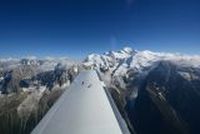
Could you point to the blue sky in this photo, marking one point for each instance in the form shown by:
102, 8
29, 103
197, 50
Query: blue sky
76, 28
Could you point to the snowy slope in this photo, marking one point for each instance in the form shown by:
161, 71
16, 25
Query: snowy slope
120, 62
83, 109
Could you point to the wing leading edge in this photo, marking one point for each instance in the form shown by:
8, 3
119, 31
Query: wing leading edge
84, 108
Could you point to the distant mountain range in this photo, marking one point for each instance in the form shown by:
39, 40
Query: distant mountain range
156, 93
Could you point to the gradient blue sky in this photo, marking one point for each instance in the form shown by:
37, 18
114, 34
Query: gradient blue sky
78, 27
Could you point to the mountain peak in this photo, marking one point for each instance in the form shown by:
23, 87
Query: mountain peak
128, 50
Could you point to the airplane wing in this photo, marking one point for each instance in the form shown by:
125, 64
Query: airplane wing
84, 108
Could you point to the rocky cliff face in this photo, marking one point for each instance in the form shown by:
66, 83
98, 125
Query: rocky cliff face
29, 87
168, 101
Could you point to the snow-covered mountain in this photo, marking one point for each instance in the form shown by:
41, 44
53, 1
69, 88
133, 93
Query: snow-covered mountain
128, 61
29, 73
155, 92
127, 58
